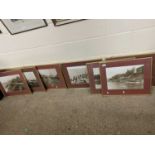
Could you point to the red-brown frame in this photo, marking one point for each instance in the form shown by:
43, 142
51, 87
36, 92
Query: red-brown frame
15, 72
147, 72
139, 56
38, 78
62, 83
90, 67
73, 64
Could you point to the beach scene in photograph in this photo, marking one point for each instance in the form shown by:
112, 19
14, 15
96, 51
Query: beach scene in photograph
49, 76
12, 83
96, 73
31, 79
78, 75
125, 77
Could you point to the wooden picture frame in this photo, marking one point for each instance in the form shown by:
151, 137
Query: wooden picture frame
60, 22
152, 55
16, 26
51, 76
73, 77
13, 83
33, 79
94, 77
126, 77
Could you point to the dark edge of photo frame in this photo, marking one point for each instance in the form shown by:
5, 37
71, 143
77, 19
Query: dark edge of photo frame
13, 72
54, 22
25, 30
90, 67
35, 71
147, 71
74, 64
62, 83
1, 94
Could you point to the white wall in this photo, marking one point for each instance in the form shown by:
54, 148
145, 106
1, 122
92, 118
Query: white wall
79, 41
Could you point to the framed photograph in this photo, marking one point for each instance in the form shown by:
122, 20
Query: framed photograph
15, 26
59, 22
13, 83
94, 77
126, 77
33, 79
153, 64
152, 55
76, 73
52, 76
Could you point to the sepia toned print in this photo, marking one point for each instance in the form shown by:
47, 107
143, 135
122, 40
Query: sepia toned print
125, 77
12, 83
49, 76
78, 74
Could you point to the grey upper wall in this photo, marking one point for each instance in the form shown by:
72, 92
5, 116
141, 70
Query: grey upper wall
87, 39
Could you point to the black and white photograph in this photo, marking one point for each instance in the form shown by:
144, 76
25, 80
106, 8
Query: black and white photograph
49, 77
96, 73
15, 26
125, 77
31, 79
12, 83
59, 22
78, 74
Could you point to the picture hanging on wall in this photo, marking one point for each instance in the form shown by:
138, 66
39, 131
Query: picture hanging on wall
13, 83
15, 26
59, 22
51, 76
126, 77
94, 77
33, 79
76, 73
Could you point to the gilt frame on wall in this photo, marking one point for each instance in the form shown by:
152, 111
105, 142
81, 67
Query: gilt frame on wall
126, 77
13, 83
75, 73
51, 76
33, 79
16, 26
